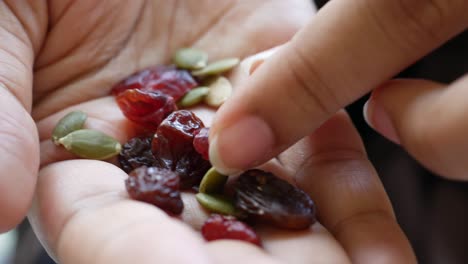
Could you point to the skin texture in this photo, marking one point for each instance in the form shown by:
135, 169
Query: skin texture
81, 211
348, 49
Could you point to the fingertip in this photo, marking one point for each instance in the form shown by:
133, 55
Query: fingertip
244, 144
377, 118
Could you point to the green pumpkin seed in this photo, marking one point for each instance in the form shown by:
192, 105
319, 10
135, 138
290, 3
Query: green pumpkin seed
193, 97
91, 144
220, 91
217, 203
190, 59
212, 182
69, 123
217, 67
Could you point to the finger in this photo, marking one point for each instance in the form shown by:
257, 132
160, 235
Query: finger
347, 49
351, 201
426, 118
83, 204
18, 137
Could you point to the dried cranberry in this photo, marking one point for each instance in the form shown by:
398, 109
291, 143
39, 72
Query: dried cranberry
200, 142
136, 153
173, 147
268, 198
156, 186
227, 227
166, 79
145, 107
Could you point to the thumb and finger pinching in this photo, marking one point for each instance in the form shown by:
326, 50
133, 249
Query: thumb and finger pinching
347, 49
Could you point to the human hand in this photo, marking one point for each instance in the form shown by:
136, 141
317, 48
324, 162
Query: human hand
18, 135
84, 215
349, 48
81, 210
77, 48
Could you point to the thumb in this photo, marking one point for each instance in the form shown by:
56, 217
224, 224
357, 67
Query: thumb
348, 48
18, 135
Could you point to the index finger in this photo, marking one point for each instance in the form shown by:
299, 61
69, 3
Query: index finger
347, 49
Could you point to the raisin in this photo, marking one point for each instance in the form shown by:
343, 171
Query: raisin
165, 79
270, 199
200, 142
145, 107
173, 147
156, 186
136, 153
227, 227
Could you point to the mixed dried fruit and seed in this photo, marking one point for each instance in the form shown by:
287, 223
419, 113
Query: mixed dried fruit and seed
174, 156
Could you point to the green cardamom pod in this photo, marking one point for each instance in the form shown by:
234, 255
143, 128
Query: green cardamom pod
91, 144
212, 182
69, 123
190, 59
218, 204
217, 67
193, 97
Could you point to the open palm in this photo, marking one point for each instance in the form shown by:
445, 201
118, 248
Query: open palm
81, 210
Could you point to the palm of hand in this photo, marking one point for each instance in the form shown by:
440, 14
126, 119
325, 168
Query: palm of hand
83, 202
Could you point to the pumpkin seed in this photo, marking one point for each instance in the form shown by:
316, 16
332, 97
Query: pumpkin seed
220, 91
193, 97
69, 123
218, 204
91, 144
190, 59
213, 182
217, 67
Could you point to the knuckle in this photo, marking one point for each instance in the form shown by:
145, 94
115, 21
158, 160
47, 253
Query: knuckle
312, 92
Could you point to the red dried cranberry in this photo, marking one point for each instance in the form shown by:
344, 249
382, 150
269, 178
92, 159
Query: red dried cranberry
136, 153
267, 198
146, 108
156, 186
227, 227
166, 79
173, 147
200, 142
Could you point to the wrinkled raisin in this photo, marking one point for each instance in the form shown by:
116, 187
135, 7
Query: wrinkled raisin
156, 186
145, 107
227, 227
268, 198
136, 153
165, 79
173, 147
200, 142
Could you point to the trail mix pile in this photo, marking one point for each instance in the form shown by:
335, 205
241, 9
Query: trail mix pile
174, 157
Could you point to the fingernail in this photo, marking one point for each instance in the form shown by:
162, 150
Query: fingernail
377, 118
241, 146
250, 64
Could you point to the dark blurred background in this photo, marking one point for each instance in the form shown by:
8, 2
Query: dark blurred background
430, 209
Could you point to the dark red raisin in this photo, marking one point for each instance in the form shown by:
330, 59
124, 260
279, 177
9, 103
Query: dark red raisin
136, 153
165, 79
173, 147
156, 186
200, 142
270, 199
227, 227
146, 108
